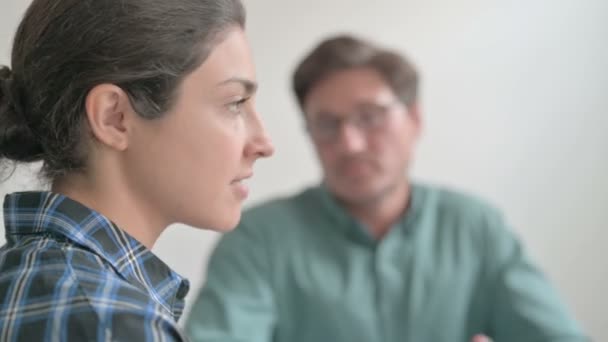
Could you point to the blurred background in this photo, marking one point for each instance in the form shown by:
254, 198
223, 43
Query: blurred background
515, 110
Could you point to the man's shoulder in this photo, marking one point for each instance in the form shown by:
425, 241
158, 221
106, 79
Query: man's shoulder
284, 207
460, 212
448, 200
471, 221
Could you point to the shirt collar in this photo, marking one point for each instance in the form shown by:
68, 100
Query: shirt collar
346, 222
27, 213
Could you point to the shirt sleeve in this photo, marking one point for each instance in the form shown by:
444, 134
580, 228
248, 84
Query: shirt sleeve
524, 305
237, 301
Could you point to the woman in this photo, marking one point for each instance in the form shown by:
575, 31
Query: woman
142, 113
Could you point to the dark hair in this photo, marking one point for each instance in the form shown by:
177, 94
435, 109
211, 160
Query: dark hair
64, 48
347, 52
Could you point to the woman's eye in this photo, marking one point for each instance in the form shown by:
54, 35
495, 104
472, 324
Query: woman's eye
236, 107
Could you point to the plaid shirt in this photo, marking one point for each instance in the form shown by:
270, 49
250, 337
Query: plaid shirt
69, 274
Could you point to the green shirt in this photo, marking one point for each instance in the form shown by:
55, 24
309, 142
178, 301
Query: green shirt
301, 269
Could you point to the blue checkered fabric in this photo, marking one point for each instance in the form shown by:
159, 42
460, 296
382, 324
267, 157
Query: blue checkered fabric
69, 274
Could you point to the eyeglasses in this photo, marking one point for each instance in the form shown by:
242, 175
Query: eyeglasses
368, 118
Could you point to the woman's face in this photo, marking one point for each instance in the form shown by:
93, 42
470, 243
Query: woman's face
190, 165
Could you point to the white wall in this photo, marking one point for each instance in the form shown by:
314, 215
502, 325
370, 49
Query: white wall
515, 110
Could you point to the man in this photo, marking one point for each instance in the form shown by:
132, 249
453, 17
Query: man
369, 255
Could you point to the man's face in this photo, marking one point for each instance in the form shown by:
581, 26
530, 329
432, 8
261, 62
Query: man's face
364, 136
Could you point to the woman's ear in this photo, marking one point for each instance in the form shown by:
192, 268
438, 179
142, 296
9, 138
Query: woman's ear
109, 111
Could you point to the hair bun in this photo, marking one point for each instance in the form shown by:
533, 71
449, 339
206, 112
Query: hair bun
17, 141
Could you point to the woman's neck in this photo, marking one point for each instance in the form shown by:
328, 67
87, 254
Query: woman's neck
110, 197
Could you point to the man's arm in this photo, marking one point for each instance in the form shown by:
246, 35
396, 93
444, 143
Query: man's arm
523, 304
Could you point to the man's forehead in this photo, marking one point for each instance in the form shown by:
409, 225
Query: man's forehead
343, 106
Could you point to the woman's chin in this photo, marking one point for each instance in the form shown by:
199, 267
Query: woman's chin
221, 224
